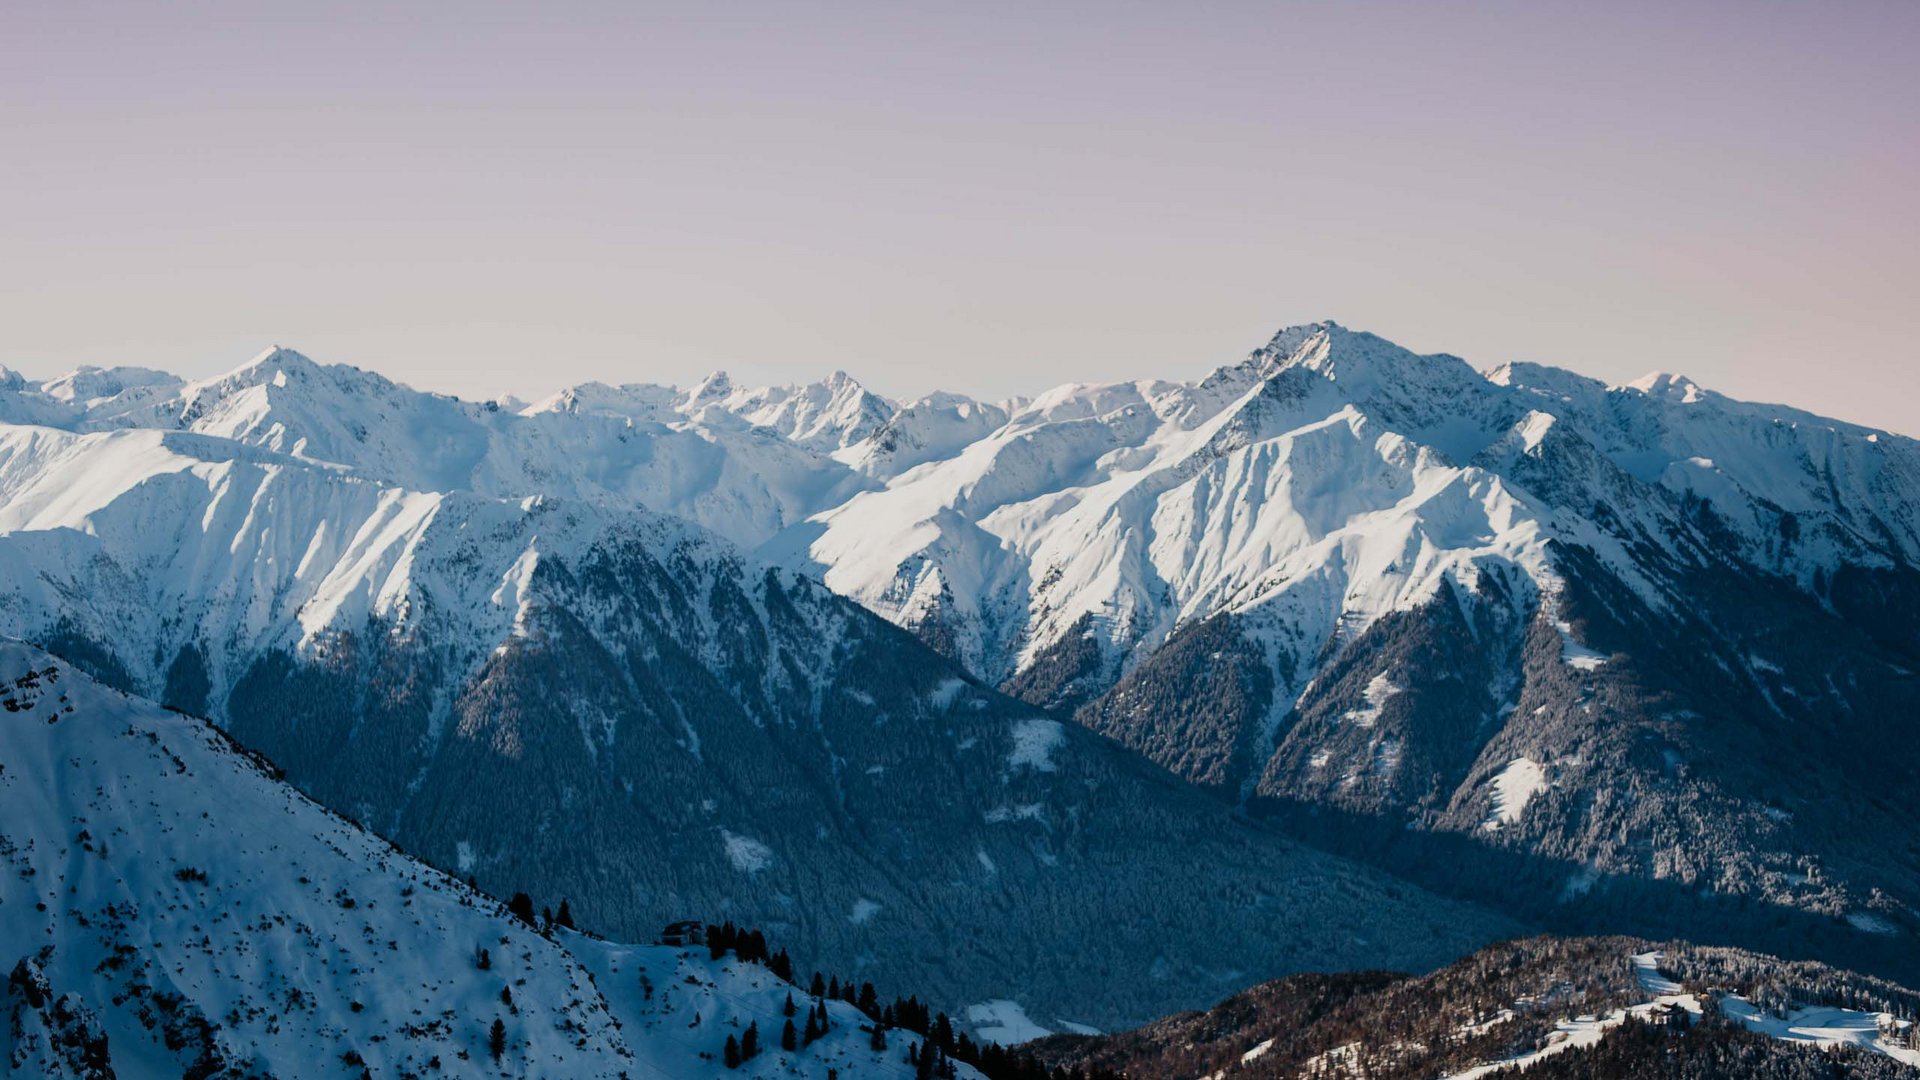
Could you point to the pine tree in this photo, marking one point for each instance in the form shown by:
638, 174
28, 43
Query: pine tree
788, 1009
869, 1001
522, 906
565, 918
789, 1038
732, 1053
485, 962
506, 996
782, 965
750, 1042
819, 986
879, 1041
813, 1028
497, 1038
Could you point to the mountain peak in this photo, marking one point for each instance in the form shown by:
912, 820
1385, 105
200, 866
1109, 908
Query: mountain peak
717, 385
273, 358
1672, 387
1290, 340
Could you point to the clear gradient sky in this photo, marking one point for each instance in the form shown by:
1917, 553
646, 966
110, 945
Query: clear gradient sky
484, 197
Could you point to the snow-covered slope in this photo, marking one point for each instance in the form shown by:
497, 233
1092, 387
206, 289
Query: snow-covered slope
1542, 1006
1226, 574
167, 906
660, 725
715, 462
1339, 477
1342, 584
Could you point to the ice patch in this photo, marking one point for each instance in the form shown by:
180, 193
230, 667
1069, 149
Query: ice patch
941, 697
1646, 968
1004, 1022
1378, 692
1824, 1027
749, 856
516, 589
1034, 742
1870, 923
1574, 654
863, 912
1517, 784
1078, 1029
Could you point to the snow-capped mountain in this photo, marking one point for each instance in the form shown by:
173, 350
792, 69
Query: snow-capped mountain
1332, 462
1605, 657
168, 907
1581, 625
711, 459
616, 706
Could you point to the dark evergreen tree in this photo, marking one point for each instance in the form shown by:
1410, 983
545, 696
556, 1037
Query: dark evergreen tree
731, 1054
879, 1041
818, 988
497, 1038
485, 961
750, 1042
565, 917
788, 1009
789, 1038
522, 906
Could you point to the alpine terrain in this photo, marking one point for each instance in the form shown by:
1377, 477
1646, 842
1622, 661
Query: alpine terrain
169, 908
1072, 709
1606, 657
567, 694
1540, 1007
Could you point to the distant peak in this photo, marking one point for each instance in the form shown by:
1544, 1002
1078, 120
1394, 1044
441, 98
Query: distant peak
716, 385
1289, 340
280, 354
1671, 387
276, 356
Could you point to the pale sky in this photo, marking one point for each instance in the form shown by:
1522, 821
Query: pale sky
484, 198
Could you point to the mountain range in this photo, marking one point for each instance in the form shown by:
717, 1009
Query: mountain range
1104, 702
571, 695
